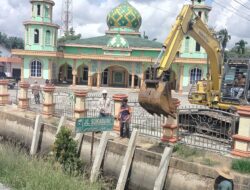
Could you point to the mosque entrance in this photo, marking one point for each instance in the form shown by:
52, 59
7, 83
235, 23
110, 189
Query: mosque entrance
115, 76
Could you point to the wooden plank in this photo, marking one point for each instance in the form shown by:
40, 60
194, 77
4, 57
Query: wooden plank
61, 123
163, 168
99, 157
36, 135
127, 161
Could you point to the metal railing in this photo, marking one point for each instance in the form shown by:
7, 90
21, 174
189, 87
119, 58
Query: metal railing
35, 105
206, 128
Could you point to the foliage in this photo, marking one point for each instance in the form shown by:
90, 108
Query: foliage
65, 151
69, 36
223, 37
209, 162
19, 171
185, 151
241, 165
11, 42
241, 47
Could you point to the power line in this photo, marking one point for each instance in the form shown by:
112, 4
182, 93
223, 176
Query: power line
241, 4
232, 10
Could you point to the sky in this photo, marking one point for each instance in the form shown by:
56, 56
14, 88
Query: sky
89, 16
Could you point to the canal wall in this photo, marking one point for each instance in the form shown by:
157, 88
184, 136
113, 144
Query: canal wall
182, 175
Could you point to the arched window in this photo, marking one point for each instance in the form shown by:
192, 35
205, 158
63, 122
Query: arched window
187, 44
46, 11
47, 39
195, 75
36, 36
38, 10
36, 68
197, 47
200, 13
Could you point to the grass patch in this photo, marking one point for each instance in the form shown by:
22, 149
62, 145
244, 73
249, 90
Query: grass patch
209, 162
19, 171
187, 152
241, 165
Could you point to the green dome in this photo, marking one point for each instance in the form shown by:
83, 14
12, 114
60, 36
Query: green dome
124, 16
118, 42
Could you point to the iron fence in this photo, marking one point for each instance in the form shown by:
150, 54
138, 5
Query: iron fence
34, 104
207, 128
147, 124
64, 101
13, 95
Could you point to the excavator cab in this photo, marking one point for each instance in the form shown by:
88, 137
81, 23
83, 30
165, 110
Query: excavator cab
235, 88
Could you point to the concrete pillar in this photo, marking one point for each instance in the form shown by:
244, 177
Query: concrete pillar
142, 78
133, 81
241, 141
74, 79
181, 79
117, 101
98, 80
90, 81
23, 102
169, 132
48, 104
4, 95
50, 70
80, 107
22, 70
74, 73
170, 127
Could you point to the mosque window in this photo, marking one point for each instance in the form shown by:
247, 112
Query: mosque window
199, 1
47, 38
36, 36
195, 75
200, 13
46, 11
197, 47
187, 44
36, 68
38, 10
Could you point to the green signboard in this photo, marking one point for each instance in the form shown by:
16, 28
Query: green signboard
94, 124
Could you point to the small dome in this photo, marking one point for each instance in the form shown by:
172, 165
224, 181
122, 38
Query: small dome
124, 16
118, 42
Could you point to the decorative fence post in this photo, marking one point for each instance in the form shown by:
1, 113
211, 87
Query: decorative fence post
169, 132
48, 104
23, 102
170, 127
80, 106
4, 96
117, 103
241, 141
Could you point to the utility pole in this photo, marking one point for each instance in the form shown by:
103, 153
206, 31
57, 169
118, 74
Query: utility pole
67, 16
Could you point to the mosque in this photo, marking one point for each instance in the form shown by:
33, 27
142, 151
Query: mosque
119, 58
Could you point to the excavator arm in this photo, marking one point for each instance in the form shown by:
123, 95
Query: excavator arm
155, 95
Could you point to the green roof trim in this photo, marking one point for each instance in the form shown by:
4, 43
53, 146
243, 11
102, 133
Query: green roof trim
133, 41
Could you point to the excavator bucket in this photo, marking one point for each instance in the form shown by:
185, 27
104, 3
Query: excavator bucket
155, 97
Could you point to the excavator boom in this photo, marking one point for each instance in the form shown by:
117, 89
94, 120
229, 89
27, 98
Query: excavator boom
155, 95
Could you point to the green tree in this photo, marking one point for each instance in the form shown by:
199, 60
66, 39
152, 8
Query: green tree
224, 38
11, 42
241, 47
70, 35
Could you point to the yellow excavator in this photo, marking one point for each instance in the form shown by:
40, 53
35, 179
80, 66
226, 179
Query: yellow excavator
155, 93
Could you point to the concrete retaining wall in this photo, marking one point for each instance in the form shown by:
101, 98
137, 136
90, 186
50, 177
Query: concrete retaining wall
182, 175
